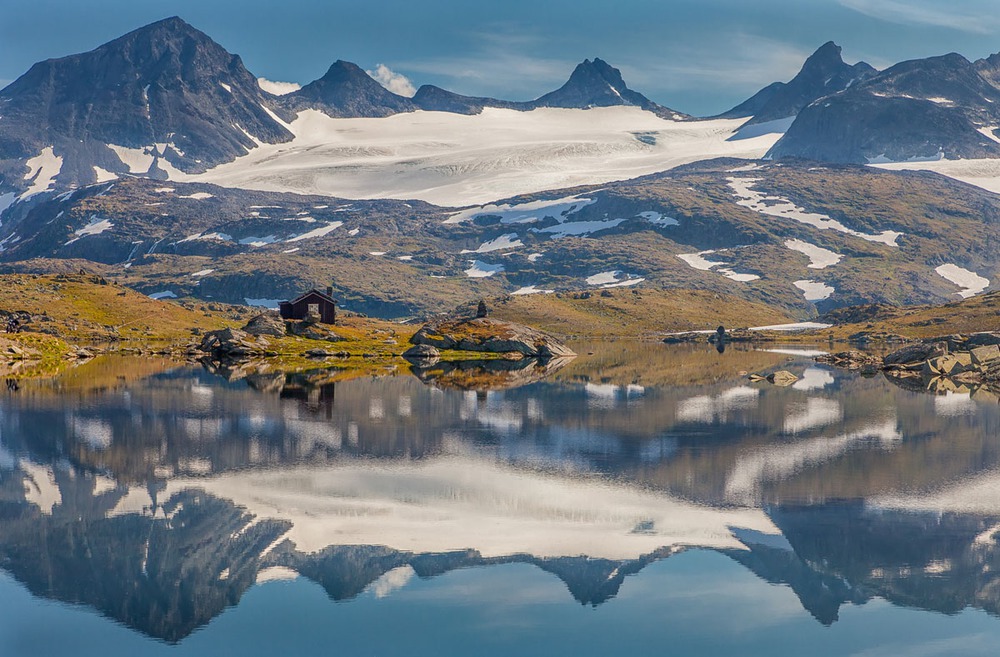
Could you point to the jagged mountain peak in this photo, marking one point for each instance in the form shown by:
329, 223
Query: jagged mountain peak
595, 83
823, 73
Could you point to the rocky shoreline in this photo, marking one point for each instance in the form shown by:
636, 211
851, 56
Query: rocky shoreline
955, 363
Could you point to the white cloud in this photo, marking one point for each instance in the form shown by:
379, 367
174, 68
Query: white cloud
278, 88
972, 16
394, 82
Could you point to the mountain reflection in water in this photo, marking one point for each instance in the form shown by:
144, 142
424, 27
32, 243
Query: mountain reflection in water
159, 494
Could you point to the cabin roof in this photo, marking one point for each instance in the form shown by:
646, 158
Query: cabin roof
321, 295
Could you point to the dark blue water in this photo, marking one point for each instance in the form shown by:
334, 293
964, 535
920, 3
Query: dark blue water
643, 500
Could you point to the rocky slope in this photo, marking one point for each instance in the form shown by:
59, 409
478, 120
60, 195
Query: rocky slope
939, 107
798, 238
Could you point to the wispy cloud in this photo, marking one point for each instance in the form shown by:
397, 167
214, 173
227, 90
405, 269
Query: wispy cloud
499, 59
973, 16
397, 83
278, 88
749, 62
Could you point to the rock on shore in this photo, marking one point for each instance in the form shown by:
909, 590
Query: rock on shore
491, 336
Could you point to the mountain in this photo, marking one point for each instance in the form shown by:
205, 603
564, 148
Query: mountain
598, 84
162, 98
823, 73
436, 99
346, 91
939, 107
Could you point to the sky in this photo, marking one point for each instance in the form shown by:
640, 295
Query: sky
696, 56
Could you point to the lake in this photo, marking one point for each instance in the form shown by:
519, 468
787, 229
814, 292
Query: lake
640, 499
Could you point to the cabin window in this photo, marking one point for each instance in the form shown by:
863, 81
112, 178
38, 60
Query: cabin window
314, 308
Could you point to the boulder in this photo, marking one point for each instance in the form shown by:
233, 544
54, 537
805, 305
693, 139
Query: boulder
422, 351
229, 342
985, 355
483, 334
317, 353
312, 331
266, 324
782, 378
915, 353
982, 340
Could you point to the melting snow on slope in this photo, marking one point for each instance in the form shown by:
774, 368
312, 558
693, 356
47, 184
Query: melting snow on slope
776, 206
658, 219
524, 213
137, 160
508, 241
819, 257
698, 261
455, 159
317, 232
971, 282
166, 294
42, 171
614, 279
814, 290
95, 227
530, 289
480, 269
199, 196
203, 272
103, 175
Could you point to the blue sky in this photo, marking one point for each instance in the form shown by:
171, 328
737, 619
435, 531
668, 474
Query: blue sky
697, 56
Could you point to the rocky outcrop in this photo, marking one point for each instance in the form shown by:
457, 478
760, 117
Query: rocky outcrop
266, 324
233, 343
483, 334
954, 363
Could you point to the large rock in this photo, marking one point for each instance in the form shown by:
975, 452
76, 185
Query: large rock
915, 353
782, 378
483, 334
985, 356
266, 324
231, 342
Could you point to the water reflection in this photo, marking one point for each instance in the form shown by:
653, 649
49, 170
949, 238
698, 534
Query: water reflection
159, 498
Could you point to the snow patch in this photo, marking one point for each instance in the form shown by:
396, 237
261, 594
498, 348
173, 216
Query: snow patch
317, 232
480, 269
698, 261
658, 219
819, 257
614, 278
96, 226
199, 196
137, 160
524, 213
103, 175
263, 303
166, 294
776, 206
530, 289
42, 171
971, 282
578, 228
508, 241
814, 290
203, 272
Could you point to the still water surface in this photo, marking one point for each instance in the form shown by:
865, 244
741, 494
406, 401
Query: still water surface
644, 499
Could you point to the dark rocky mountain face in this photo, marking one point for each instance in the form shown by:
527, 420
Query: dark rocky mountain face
989, 69
166, 89
436, 99
925, 108
824, 73
598, 84
346, 91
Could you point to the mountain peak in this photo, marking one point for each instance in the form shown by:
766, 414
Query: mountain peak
347, 91
595, 83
